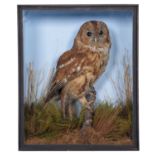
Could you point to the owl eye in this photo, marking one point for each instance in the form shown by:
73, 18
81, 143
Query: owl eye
101, 33
89, 34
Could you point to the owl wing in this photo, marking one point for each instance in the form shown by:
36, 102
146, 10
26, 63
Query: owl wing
68, 67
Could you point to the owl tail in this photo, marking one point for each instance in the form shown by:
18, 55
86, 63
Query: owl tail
52, 92
48, 97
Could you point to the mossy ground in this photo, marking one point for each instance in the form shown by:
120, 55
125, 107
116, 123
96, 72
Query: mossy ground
111, 125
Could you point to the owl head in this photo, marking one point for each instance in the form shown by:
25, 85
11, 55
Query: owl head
93, 35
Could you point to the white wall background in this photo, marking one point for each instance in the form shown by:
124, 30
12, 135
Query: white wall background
48, 34
9, 76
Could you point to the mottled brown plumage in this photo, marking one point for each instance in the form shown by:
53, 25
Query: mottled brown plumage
78, 68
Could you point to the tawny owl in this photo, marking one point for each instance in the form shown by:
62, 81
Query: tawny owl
79, 68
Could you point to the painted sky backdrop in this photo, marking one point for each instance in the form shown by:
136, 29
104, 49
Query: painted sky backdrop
49, 33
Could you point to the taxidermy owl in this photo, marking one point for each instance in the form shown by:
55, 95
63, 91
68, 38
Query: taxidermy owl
78, 68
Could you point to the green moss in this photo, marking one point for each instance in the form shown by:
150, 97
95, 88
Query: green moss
109, 120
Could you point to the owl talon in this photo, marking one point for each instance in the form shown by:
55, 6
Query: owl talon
89, 108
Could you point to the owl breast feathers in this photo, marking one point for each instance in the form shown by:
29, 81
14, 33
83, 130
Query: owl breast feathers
78, 68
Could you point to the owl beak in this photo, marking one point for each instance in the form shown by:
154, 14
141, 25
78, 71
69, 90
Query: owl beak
96, 42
